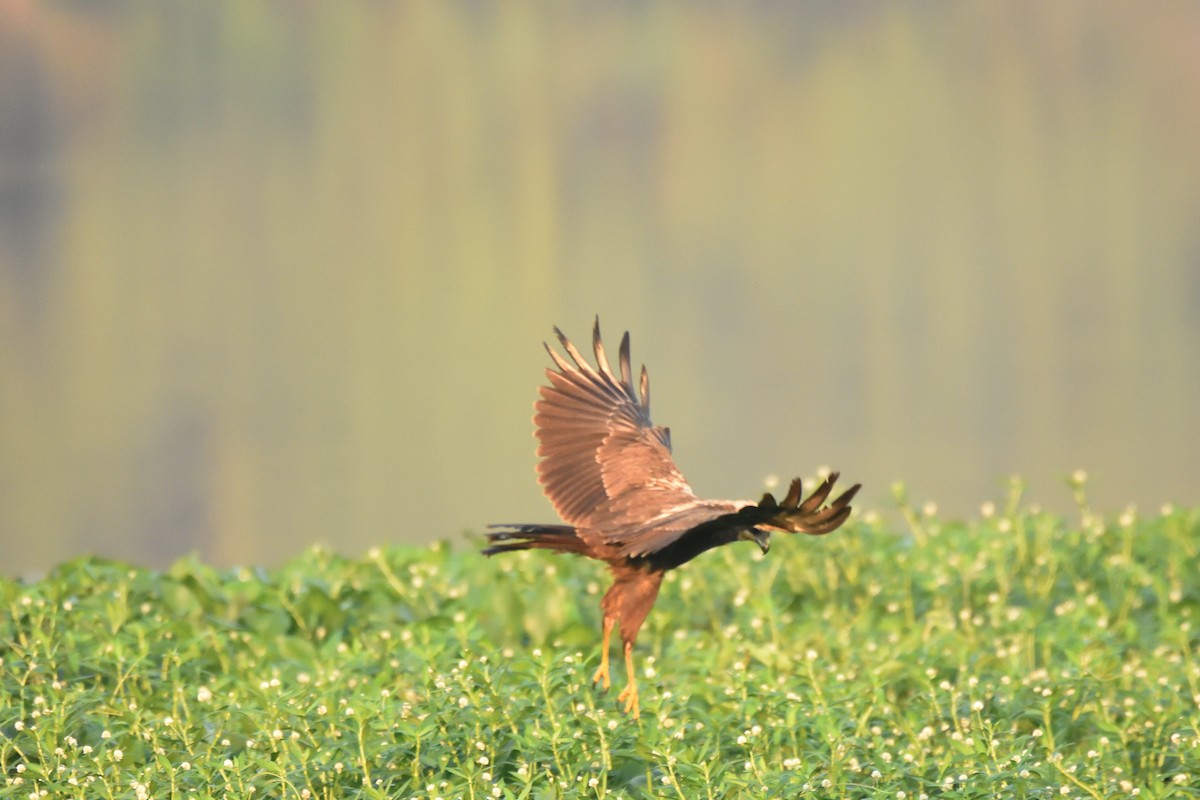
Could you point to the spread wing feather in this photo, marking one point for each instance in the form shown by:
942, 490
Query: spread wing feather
604, 464
809, 516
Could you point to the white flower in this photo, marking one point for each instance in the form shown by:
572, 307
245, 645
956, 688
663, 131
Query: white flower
204, 694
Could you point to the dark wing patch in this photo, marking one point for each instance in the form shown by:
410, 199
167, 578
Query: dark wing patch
604, 464
699, 518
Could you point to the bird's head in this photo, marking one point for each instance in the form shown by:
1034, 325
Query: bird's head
759, 537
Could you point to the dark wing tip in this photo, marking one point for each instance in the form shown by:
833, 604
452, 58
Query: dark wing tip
809, 516
795, 491
845, 497
623, 361
815, 499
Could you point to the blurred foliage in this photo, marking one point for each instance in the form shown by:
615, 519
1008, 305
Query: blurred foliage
269, 272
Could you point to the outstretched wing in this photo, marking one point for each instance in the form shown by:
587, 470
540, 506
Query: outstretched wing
809, 516
604, 464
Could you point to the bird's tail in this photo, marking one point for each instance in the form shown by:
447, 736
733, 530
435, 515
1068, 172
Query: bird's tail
559, 538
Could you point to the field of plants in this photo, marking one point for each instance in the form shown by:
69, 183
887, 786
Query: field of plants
1017, 654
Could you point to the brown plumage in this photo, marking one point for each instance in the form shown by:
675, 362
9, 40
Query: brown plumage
609, 473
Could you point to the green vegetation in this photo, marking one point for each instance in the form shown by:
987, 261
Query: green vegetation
1017, 655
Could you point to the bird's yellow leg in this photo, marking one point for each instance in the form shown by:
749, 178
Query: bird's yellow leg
629, 694
601, 675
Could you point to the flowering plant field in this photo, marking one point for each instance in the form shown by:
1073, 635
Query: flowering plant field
1015, 655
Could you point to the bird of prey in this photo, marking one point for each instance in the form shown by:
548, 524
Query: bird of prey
608, 471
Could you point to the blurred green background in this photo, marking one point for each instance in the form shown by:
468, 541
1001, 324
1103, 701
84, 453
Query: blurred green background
278, 273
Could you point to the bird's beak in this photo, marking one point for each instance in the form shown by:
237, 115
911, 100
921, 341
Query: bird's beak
760, 538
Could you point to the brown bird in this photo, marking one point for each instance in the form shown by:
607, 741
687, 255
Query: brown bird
608, 471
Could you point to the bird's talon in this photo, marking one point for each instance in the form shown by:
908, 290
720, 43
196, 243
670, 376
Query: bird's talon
629, 696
